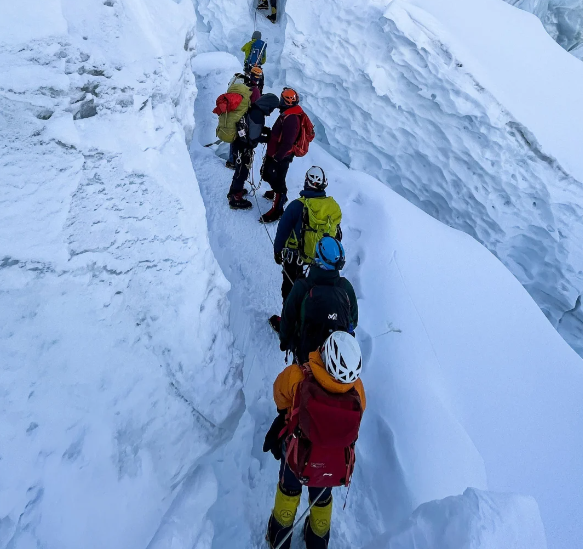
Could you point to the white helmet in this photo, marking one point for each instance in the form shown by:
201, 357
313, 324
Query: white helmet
341, 354
315, 179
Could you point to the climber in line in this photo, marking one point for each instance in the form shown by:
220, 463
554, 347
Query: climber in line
321, 303
254, 81
279, 154
251, 131
328, 391
304, 223
264, 4
255, 52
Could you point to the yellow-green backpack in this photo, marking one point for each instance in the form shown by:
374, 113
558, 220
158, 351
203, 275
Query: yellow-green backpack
320, 216
227, 126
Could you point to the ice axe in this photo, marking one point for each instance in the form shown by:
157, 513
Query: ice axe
213, 143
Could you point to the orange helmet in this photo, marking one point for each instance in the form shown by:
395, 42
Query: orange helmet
256, 71
289, 97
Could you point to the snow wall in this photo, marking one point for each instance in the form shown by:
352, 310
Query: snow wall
445, 105
474, 520
117, 372
562, 19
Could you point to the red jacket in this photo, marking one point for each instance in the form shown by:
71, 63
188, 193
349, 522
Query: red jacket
284, 133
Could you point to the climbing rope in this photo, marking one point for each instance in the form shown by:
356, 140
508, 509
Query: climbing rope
254, 189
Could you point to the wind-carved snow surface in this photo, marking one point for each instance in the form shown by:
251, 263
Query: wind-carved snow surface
474, 520
562, 19
396, 92
117, 370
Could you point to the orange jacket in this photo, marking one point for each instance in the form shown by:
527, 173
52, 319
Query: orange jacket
286, 384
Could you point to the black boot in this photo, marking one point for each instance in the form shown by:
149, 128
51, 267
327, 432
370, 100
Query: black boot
275, 322
276, 210
276, 532
269, 195
312, 540
244, 192
237, 202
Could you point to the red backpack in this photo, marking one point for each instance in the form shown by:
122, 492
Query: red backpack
320, 434
306, 134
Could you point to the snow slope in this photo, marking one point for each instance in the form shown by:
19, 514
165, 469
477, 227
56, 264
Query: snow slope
461, 367
117, 371
442, 102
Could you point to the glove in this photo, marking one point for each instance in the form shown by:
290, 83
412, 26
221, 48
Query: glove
272, 441
265, 135
283, 346
278, 258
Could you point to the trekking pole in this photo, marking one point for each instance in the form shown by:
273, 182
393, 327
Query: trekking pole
280, 544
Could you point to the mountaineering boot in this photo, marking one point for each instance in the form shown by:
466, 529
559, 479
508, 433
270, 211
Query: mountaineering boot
276, 532
244, 192
273, 16
262, 5
317, 525
237, 202
230, 165
275, 322
276, 210
282, 517
269, 195
312, 540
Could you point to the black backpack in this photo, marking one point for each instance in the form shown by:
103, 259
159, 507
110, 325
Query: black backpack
325, 309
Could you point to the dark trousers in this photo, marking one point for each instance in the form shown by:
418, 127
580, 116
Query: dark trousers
293, 271
290, 484
275, 173
243, 155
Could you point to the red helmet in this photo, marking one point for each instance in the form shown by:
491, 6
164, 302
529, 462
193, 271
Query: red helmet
289, 97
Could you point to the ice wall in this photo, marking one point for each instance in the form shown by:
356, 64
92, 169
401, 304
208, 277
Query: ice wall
117, 373
562, 19
394, 86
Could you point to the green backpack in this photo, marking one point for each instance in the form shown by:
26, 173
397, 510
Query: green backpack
321, 216
227, 126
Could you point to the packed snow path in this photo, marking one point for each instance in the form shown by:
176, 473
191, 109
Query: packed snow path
247, 477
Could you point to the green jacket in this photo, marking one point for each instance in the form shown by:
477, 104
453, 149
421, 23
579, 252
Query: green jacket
247, 49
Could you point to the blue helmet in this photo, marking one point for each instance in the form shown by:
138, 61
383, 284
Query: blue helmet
329, 254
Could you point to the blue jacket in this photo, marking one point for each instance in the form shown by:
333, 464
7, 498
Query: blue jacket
291, 221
